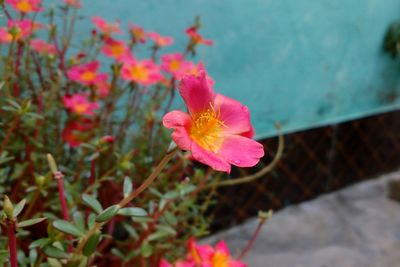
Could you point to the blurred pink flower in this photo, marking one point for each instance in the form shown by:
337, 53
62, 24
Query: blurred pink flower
160, 40
189, 68
205, 256
25, 6
86, 74
196, 37
173, 63
104, 27
42, 47
138, 33
144, 72
18, 30
108, 139
217, 129
79, 104
73, 3
103, 87
76, 132
115, 49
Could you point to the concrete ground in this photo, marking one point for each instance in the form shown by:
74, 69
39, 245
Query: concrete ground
355, 227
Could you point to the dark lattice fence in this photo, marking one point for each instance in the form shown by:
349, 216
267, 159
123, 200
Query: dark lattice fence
315, 162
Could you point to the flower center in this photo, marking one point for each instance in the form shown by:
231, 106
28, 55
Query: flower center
220, 260
206, 130
88, 76
139, 73
117, 50
24, 6
81, 108
174, 65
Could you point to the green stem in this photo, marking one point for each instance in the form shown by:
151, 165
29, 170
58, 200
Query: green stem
129, 198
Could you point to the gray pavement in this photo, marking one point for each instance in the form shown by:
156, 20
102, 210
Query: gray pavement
358, 226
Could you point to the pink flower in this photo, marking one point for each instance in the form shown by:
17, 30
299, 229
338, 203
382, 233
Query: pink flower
143, 72
115, 49
160, 40
205, 256
42, 47
86, 74
196, 38
25, 6
107, 139
79, 104
76, 132
103, 87
173, 63
217, 129
138, 33
18, 30
73, 3
104, 27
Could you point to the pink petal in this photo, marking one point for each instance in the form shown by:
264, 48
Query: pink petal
196, 93
234, 115
241, 151
164, 263
180, 122
222, 247
210, 159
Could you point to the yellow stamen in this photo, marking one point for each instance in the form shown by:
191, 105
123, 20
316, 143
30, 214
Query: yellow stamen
174, 65
220, 260
117, 50
88, 76
81, 108
24, 6
207, 129
139, 73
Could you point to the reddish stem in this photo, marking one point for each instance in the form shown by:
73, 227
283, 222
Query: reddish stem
60, 182
64, 207
12, 242
253, 238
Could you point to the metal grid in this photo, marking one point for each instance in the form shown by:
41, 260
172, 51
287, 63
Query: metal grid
315, 162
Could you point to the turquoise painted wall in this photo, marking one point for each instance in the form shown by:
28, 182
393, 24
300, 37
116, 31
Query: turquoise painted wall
302, 63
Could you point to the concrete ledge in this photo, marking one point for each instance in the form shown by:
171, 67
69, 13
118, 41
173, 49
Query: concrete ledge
356, 227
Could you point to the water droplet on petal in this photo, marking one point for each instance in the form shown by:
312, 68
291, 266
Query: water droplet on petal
236, 161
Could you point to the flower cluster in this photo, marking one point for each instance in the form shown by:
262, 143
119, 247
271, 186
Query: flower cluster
205, 256
100, 112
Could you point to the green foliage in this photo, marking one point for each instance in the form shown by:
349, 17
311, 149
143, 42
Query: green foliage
65, 167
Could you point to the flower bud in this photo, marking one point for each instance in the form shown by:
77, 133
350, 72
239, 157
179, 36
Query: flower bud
52, 164
8, 207
40, 180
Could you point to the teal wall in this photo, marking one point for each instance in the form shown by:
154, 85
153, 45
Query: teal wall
302, 63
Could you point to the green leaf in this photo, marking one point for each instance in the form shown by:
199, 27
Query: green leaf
166, 229
146, 250
91, 244
127, 186
19, 207
92, 203
79, 220
54, 262
30, 222
42, 242
108, 213
137, 212
157, 235
67, 227
91, 220
170, 218
53, 252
